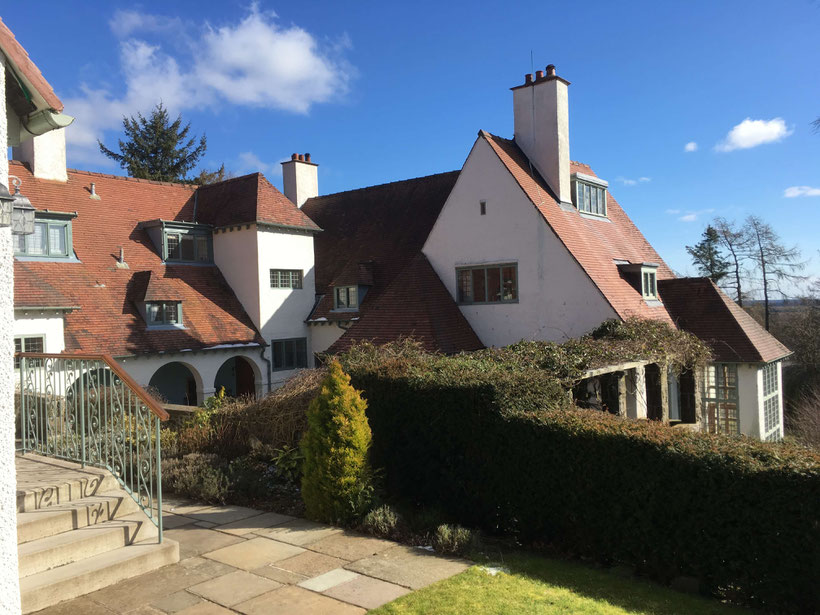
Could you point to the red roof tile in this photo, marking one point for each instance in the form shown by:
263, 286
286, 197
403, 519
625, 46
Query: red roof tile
247, 200
373, 237
28, 69
697, 305
108, 317
594, 243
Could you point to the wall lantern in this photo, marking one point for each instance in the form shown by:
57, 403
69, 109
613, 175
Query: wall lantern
21, 216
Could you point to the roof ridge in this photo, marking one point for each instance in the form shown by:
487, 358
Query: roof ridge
118, 177
398, 181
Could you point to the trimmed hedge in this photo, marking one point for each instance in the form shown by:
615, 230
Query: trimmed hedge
502, 453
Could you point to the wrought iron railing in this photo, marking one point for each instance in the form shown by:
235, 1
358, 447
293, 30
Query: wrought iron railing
86, 409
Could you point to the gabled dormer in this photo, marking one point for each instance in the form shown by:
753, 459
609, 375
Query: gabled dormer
158, 300
589, 194
643, 277
185, 243
51, 240
350, 288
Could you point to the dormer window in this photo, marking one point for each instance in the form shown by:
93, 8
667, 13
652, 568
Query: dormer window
51, 238
643, 277
346, 298
589, 194
163, 313
650, 284
187, 246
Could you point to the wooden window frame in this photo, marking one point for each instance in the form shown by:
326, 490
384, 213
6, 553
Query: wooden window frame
349, 290
725, 396
584, 205
49, 224
196, 236
163, 307
291, 274
473, 268
298, 357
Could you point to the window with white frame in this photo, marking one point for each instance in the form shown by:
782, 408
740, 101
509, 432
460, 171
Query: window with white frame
29, 343
589, 194
163, 313
286, 278
771, 403
346, 298
649, 283
720, 398
488, 283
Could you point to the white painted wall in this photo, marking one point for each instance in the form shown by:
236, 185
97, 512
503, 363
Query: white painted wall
541, 114
300, 181
47, 323
322, 336
204, 365
557, 300
45, 154
9, 580
235, 253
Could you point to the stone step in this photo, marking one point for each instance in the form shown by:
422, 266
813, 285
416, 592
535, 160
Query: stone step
67, 547
43, 482
50, 587
76, 514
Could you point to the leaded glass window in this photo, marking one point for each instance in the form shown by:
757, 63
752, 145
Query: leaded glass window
487, 284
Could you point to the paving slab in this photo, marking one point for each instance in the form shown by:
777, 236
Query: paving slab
171, 521
234, 588
280, 575
299, 532
292, 600
205, 608
197, 540
147, 588
311, 564
205, 524
83, 604
350, 546
182, 507
329, 579
220, 515
251, 524
143, 610
367, 592
208, 567
254, 553
178, 601
408, 566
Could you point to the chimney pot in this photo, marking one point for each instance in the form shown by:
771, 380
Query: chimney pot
294, 156
550, 70
539, 74
307, 157
301, 157
527, 78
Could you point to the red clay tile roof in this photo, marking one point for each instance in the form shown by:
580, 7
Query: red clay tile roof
26, 68
416, 304
374, 236
594, 243
107, 295
246, 200
697, 305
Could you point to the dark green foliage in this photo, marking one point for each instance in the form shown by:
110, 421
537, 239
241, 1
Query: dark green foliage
201, 477
336, 478
706, 256
492, 444
156, 148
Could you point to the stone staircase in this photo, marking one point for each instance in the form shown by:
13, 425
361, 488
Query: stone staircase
78, 531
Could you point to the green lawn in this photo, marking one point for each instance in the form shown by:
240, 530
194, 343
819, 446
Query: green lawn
547, 586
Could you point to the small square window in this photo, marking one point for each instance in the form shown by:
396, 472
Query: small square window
158, 313
483, 207
33, 343
346, 298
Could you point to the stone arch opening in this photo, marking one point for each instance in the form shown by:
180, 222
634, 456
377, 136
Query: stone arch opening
238, 376
177, 382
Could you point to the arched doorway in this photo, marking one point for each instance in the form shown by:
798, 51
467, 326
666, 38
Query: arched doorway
237, 376
176, 383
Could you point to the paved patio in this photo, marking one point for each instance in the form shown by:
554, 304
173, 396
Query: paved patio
241, 560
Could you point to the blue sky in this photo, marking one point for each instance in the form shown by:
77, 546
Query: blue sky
378, 93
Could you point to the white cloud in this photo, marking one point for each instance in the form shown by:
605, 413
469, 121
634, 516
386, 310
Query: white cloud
751, 133
673, 212
632, 182
688, 218
690, 147
254, 63
796, 191
248, 162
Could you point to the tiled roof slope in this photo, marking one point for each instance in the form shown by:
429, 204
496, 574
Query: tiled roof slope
246, 200
416, 304
595, 244
108, 320
697, 305
19, 57
374, 236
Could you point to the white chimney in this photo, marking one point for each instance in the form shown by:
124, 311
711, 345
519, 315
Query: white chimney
300, 177
45, 154
541, 108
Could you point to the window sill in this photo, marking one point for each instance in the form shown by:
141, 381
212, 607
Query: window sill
653, 302
166, 327
46, 259
511, 302
599, 217
345, 310
189, 263
287, 369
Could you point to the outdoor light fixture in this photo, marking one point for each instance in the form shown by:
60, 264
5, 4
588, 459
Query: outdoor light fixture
22, 213
6, 203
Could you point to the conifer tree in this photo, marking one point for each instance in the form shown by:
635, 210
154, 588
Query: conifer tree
157, 148
707, 257
336, 478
